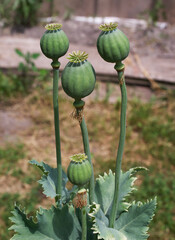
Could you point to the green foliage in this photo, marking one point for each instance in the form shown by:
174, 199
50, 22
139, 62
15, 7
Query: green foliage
12, 85
25, 12
9, 157
130, 225
104, 189
160, 181
19, 12
55, 223
28, 64
162, 185
136, 214
133, 223
30, 200
6, 86
158, 135
28, 72
9, 168
151, 143
100, 225
157, 11
130, 217
49, 180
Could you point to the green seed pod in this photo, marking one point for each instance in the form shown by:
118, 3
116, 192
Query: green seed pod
112, 44
78, 77
79, 171
54, 42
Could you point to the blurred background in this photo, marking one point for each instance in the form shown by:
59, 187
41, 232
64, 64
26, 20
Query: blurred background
26, 115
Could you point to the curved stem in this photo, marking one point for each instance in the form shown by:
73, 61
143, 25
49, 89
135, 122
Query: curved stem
84, 223
120, 147
84, 132
57, 129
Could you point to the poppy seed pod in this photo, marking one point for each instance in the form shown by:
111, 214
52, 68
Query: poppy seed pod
112, 44
54, 42
78, 77
79, 170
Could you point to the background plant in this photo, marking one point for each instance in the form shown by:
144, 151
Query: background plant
25, 12
6, 12
156, 12
14, 83
26, 68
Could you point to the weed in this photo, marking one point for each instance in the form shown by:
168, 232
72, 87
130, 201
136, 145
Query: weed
13, 85
9, 156
25, 12
157, 11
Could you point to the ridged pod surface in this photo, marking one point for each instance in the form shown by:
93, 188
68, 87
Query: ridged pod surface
78, 78
79, 171
112, 44
54, 42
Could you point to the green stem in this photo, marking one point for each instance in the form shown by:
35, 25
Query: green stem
57, 128
84, 223
84, 132
120, 147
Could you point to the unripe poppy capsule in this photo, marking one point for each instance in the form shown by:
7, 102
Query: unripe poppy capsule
112, 44
54, 42
79, 171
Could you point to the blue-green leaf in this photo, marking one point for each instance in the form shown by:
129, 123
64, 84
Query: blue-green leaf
49, 180
134, 223
100, 225
104, 189
52, 224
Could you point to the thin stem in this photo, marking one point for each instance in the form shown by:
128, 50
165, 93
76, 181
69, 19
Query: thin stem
84, 223
120, 147
84, 132
57, 129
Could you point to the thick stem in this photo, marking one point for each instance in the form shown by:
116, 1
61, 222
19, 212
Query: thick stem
84, 223
84, 132
57, 128
120, 147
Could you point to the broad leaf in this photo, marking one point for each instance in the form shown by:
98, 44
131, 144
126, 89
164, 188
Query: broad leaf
104, 189
100, 225
134, 223
52, 224
49, 180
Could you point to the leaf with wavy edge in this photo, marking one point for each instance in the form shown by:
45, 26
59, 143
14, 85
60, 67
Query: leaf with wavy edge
104, 189
49, 180
100, 225
134, 223
52, 224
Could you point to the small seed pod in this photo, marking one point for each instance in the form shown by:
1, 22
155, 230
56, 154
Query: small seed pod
112, 44
54, 42
78, 77
80, 200
79, 171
